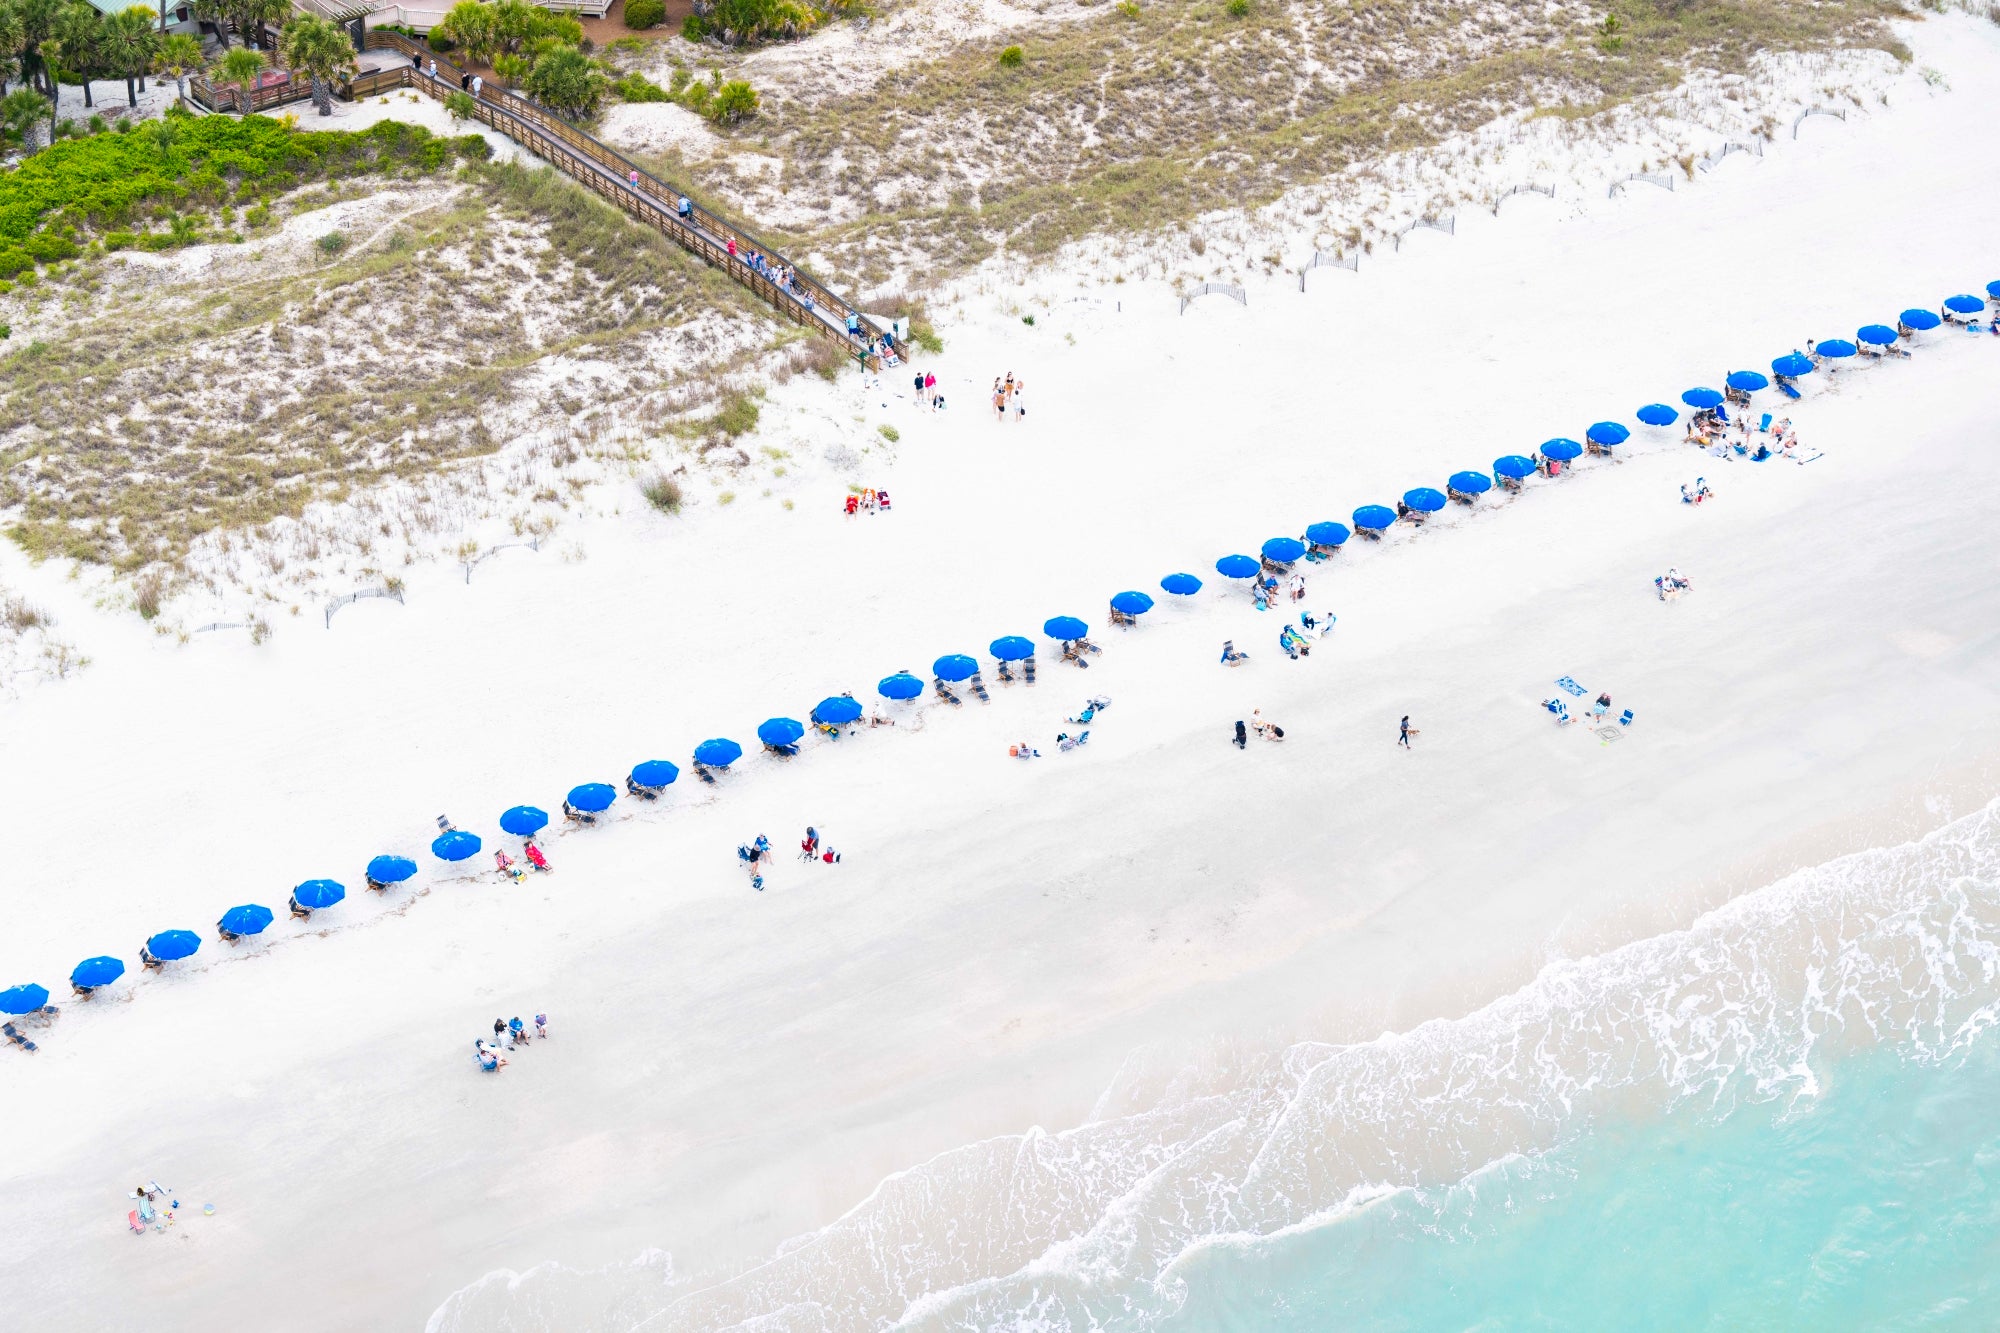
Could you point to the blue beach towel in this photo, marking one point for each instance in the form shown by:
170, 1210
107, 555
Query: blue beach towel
1575, 689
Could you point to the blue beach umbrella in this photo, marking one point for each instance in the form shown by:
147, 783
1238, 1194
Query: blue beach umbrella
1283, 550
523, 821
1746, 381
1792, 365
249, 919
99, 971
902, 685
1607, 433
171, 945
1131, 603
951, 667
1658, 414
1327, 534
839, 710
1515, 466
720, 752
1236, 567
1064, 627
654, 773
318, 893
1374, 518
456, 845
1836, 348
391, 869
1993, 290
1470, 483
1012, 648
1424, 500
595, 797
1920, 319
1702, 399
1964, 305
1186, 585
23, 999
1562, 450
780, 731
1876, 335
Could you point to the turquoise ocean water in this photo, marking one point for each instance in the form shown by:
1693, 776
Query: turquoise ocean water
1786, 1116
1875, 1206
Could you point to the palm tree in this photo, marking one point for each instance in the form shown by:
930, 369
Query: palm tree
319, 49
37, 20
251, 16
22, 110
10, 45
75, 43
240, 66
179, 56
129, 43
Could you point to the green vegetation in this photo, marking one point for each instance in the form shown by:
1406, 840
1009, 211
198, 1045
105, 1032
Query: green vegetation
1011, 57
249, 393
747, 22
636, 87
662, 492
568, 81
642, 14
319, 50
889, 433
108, 182
508, 28
1149, 116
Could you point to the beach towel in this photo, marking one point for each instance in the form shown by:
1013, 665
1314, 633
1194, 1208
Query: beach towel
1570, 685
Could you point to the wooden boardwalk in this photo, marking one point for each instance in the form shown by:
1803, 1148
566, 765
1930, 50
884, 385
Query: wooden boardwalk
604, 172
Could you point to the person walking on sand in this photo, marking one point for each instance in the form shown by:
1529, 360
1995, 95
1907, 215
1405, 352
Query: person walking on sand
1404, 731
1242, 736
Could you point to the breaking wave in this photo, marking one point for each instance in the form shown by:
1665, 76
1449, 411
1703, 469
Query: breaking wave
1084, 1228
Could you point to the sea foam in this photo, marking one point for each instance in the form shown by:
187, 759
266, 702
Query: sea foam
1084, 1228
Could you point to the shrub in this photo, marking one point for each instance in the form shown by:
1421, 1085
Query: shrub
332, 243
733, 101
148, 596
662, 492
636, 87
1238, 8
567, 80
890, 433
642, 14
693, 28
1011, 57
439, 41
460, 106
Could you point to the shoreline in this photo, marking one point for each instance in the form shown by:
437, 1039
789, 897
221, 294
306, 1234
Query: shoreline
1005, 945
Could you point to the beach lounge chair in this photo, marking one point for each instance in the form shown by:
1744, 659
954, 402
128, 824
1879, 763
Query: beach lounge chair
701, 771
1120, 618
979, 688
782, 751
1028, 669
643, 793
19, 1038
1006, 674
1072, 653
944, 692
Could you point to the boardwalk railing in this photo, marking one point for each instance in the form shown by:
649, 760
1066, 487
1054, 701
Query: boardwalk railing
628, 186
598, 168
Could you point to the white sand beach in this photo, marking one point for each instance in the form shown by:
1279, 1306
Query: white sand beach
1004, 941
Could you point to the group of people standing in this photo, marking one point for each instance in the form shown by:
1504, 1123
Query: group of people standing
1007, 397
